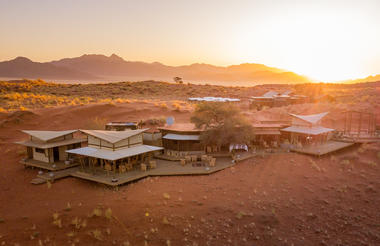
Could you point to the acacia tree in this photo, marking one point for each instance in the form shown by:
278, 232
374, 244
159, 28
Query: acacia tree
178, 80
223, 124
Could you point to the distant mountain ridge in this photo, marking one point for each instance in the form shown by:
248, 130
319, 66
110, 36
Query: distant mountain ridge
101, 67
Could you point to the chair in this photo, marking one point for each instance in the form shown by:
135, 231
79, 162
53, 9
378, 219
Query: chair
194, 158
152, 164
143, 167
208, 149
214, 148
128, 166
122, 169
204, 158
183, 162
188, 159
212, 162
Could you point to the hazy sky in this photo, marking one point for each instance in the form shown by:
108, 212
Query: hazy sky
326, 40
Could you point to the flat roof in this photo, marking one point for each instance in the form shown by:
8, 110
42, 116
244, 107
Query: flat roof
267, 125
47, 145
118, 123
267, 132
214, 99
113, 155
315, 130
185, 127
48, 135
173, 136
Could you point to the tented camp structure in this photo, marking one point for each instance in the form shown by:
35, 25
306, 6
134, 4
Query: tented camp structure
308, 136
307, 129
112, 152
275, 99
181, 139
46, 149
267, 135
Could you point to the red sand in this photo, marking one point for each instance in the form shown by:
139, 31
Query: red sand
281, 199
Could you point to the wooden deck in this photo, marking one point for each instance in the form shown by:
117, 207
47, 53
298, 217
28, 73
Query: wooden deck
164, 168
47, 166
322, 149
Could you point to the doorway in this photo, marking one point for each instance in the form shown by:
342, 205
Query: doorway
56, 154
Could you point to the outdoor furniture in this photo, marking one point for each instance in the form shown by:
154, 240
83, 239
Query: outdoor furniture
122, 169
143, 167
212, 162
194, 158
204, 158
188, 159
128, 166
152, 164
183, 162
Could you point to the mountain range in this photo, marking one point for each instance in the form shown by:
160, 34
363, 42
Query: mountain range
114, 68
98, 68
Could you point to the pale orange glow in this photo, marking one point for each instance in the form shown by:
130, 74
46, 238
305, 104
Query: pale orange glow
324, 40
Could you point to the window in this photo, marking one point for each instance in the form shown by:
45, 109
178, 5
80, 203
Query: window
38, 150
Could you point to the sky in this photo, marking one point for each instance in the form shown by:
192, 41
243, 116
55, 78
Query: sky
326, 40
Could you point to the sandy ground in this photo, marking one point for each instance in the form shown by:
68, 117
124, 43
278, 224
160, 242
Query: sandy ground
279, 199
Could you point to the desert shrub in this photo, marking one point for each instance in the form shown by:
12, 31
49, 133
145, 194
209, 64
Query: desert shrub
163, 106
177, 107
155, 121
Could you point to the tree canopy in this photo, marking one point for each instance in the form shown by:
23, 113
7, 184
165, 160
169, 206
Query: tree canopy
223, 123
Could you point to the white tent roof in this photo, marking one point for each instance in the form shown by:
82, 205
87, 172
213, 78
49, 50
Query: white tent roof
315, 130
214, 99
172, 136
270, 94
114, 155
312, 118
113, 136
48, 135
286, 93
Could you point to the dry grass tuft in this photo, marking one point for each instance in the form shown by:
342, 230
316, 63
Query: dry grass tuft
108, 213
97, 212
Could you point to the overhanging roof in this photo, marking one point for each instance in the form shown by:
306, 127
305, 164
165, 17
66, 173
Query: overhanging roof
267, 132
173, 136
48, 135
315, 130
114, 155
113, 136
312, 118
47, 145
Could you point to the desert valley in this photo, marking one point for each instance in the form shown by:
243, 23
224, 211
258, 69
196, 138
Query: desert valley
279, 198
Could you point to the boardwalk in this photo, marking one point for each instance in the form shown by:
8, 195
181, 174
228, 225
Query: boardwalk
164, 168
322, 149
56, 166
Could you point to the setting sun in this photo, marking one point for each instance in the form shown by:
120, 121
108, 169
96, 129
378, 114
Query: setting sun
322, 40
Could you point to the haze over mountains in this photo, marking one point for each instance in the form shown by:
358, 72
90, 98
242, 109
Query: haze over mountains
115, 68
98, 68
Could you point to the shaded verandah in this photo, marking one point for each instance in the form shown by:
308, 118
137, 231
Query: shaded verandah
100, 161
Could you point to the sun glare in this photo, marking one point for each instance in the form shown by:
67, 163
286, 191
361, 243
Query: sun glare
322, 47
